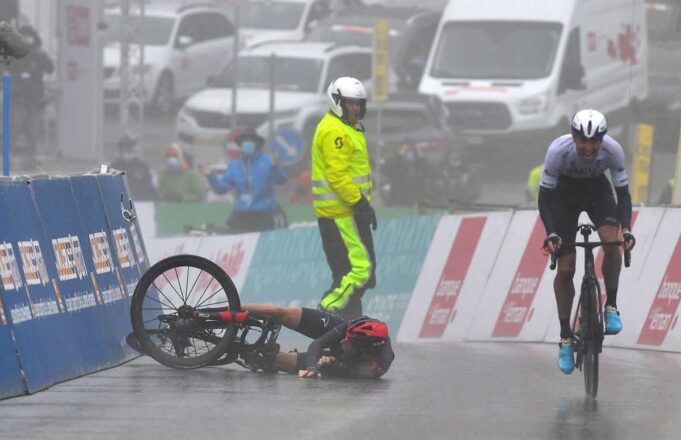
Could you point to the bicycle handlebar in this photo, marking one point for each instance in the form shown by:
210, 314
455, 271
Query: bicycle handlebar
595, 244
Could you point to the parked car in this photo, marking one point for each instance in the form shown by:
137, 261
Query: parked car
411, 120
262, 21
184, 46
303, 72
411, 30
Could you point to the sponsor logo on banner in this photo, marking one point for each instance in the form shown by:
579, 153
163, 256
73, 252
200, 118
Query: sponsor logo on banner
101, 253
69, 258
441, 311
662, 315
9, 269
125, 257
516, 308
138, 244
231, 261
33, 263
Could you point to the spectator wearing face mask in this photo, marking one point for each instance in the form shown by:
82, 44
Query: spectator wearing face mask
180, 182
139, 177
253, 177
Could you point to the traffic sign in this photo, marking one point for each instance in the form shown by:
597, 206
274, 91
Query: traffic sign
288, 144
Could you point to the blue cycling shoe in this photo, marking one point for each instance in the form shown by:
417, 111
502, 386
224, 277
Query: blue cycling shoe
566, 356
613, 322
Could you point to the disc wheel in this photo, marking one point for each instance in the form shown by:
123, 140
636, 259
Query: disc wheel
594, 339
163, 306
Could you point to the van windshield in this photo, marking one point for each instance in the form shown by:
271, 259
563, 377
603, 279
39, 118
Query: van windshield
496, 49
291, 74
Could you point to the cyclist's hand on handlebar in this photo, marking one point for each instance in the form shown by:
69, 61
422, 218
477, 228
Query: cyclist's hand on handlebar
628, 239
551, 244
311, 372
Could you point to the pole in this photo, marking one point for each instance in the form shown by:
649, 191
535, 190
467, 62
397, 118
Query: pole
5, 123
235, 76
273, 66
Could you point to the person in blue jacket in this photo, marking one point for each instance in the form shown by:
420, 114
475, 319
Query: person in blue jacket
253, 176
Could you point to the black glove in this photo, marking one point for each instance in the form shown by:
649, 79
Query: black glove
364, 210
627, 238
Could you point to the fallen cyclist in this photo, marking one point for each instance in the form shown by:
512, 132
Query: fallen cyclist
358, 348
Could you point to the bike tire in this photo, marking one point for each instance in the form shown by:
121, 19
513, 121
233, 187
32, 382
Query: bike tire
593, 337
171, 338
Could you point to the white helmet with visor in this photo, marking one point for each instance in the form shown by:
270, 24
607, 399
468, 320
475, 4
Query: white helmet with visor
343, 89
589, 124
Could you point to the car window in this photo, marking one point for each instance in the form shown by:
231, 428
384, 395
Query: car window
318, 10
205, 26
291, 74
190, 26
396, 120
356, 65
217, 26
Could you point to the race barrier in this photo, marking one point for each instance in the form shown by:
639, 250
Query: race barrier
69, 262
469, 277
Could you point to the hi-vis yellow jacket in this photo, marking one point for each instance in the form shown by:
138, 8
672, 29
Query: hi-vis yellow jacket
341, 171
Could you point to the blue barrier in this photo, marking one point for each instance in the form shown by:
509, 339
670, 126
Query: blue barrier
67, 271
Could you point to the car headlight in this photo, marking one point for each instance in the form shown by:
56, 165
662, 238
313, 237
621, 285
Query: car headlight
533, 104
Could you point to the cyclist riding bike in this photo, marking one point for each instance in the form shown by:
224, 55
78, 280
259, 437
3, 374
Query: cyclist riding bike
359, 348
573, 181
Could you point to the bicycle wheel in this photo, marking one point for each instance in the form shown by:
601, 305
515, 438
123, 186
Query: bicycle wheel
593, 337
162, 311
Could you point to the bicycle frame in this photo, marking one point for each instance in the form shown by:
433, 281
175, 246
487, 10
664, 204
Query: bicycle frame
587, 325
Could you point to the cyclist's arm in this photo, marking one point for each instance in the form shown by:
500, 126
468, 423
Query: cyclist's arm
547, 202
620, 181
314, 351
624, 206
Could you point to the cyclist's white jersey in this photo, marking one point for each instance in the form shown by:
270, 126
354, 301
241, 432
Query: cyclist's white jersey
562, 160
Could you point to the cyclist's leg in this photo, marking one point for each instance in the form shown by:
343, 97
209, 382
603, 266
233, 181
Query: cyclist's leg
289, 317
564, 289
563, 284
603, 212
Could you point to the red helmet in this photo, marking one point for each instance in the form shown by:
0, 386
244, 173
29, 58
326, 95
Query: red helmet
366, 333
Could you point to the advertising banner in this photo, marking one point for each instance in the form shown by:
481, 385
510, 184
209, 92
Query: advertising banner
659, 290
517, 302
458, 263
233, 253
129, 254
289, 267
32, 294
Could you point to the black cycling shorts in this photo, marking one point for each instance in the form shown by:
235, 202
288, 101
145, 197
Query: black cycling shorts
315, 323
595, 196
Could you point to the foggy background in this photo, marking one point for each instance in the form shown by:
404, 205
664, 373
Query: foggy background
73, 140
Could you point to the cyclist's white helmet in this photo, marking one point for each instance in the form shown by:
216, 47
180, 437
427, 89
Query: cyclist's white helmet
346, 88
589, 123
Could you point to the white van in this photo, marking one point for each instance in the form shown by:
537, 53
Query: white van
509, 69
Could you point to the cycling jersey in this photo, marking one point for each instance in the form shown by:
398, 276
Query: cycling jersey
571, 184
562, 159
328, 331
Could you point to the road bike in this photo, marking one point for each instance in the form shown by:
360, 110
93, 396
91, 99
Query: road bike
186, 313
587, 325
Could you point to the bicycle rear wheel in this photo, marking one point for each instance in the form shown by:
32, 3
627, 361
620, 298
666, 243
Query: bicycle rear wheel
163, 305
593, 337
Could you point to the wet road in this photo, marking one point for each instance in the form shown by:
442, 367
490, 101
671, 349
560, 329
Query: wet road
433, 391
